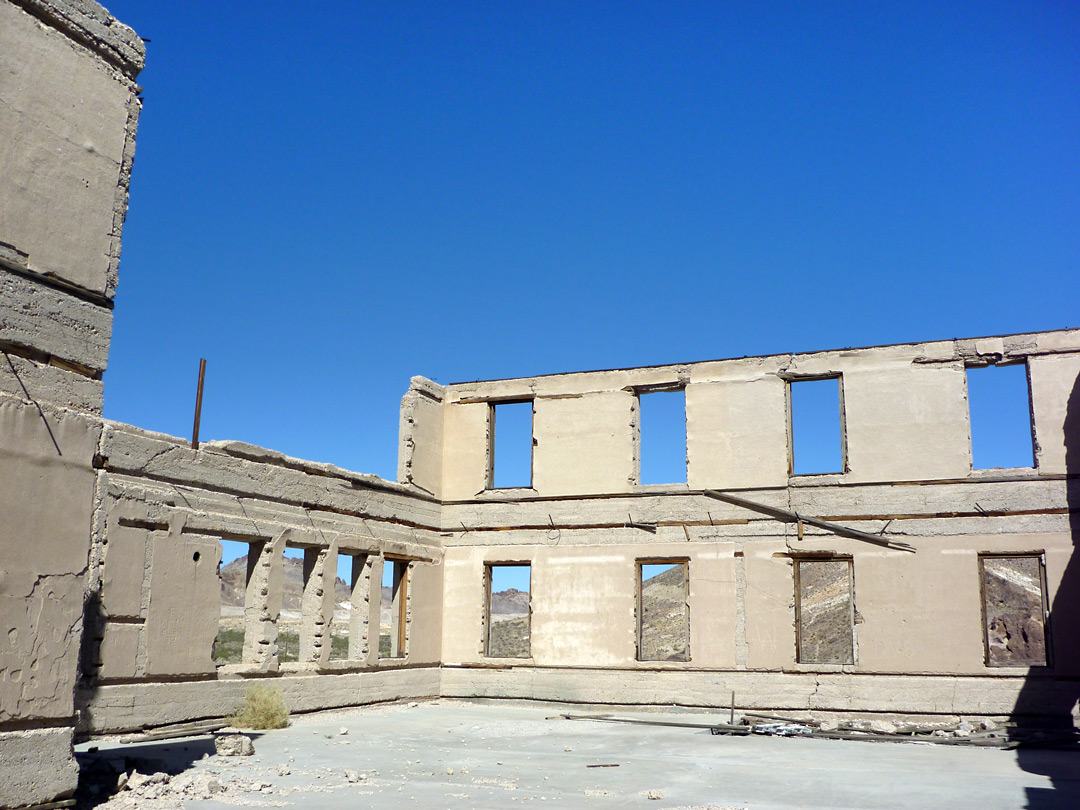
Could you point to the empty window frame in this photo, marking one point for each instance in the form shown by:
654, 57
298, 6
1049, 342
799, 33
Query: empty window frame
347, 628
816, 435
290, 619
234, 573
662, 436
663, 610
824, 611
508, 610
999, 406
1014, 610
394, 612
511, 452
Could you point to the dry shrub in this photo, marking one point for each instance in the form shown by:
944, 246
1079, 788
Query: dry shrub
263, 707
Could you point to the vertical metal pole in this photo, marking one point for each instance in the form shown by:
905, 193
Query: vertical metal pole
198, 405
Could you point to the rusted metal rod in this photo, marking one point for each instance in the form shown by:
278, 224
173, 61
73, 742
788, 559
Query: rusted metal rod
784, 516
198, 405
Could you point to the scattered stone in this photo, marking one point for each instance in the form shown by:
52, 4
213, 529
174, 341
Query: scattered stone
352, 776
122, 781
283, 769
413, 705
568, 748
343, 731
882, 727
138, 780
939, 733
989, 725
464, 770
829, 725
233, 745
655, 794
449, 771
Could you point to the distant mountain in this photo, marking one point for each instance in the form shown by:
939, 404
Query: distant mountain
510, 601
234, 576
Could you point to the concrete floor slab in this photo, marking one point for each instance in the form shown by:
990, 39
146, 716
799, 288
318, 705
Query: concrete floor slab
443, 754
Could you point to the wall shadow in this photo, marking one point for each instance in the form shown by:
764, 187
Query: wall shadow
99, 769
1044, 708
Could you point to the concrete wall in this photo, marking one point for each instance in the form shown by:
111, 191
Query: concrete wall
111, 537
68, 112
154, 585
66, 137
587, 522
904, 410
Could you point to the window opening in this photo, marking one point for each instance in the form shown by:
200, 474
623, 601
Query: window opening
234, 574
289, 620
663, 611
662, 431
393, 615
349, 570
1000, 412
1014, 610
512, 444
817, 426
825, 611
508, 617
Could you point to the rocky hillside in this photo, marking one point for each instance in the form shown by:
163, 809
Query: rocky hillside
665, 631
234, 574
510, 602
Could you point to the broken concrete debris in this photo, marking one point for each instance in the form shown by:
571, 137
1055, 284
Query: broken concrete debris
234, 745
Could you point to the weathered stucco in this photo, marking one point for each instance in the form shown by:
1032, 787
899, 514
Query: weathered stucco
66, 135
68, 112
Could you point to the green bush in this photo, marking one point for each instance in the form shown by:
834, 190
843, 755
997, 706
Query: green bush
229, 646
263, 707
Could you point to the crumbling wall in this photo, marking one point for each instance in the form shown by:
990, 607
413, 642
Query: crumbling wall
68, 112
420, 452
164, 508
914, 620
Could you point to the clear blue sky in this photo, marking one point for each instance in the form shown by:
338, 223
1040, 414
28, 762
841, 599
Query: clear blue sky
330, 198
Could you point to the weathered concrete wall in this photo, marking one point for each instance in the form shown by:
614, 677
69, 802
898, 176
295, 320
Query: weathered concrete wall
916, 613
127, 707
739, 425
466, 454
154, 584
46, 503
597, 429
420, 453
68, 113
111, 535
585, 526
807, 694
904, 411
36, 763
66, 139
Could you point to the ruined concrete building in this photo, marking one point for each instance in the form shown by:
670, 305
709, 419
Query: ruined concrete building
905, 581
